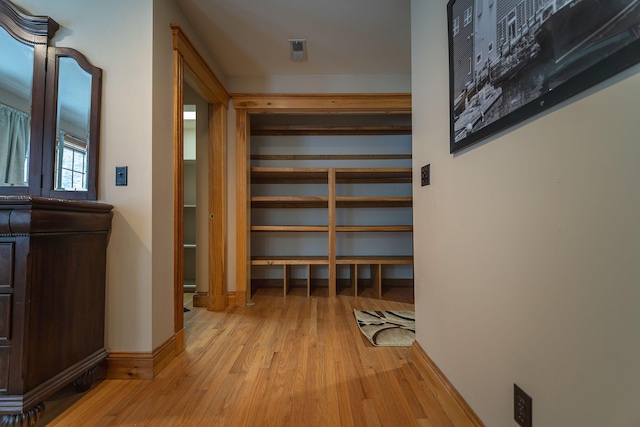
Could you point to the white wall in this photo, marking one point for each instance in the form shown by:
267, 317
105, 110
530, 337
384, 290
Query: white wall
526, 252
131, 42
116, 36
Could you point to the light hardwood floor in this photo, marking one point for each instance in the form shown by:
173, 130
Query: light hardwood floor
281, 362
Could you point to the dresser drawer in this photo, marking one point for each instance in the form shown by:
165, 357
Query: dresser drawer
4, 369
6, 265
5, 318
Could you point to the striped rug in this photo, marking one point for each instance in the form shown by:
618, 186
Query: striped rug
387, 328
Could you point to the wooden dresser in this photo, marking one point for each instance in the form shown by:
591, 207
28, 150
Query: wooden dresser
52, 299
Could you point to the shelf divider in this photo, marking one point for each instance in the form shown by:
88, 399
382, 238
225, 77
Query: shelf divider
332, 233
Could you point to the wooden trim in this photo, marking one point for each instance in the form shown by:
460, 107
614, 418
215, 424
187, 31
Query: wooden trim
429, 369
178, 191
189, 63
243, 206
181, 342
354, 278
241, 297
203, 77
330, 156
142, 365
231, 299
286, 278
217, 205
330, 130
200, 299
375, 272
332, 233
274, 103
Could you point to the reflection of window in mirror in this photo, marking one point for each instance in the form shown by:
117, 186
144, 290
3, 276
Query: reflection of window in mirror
74, 108
16, 80
71, 166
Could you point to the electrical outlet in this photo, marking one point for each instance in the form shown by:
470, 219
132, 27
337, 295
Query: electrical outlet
425, 175
522, 407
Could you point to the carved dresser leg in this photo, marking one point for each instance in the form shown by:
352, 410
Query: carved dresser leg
26, 419
83, 383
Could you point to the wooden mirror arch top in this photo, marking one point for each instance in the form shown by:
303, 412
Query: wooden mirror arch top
27, 28
47, 173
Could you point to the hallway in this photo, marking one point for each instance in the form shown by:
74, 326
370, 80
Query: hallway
294, 362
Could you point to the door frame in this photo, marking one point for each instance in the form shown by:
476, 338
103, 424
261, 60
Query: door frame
189, 64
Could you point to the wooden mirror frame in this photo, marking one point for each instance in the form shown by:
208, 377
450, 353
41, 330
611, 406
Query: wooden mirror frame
51, 111
37, 31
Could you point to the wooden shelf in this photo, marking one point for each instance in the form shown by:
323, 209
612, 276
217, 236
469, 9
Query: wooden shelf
262, 175
289, 202
330, 130
331, 157
331, 177
297, 228
373, 228
291, 260
373, 202
384, 260
289, 175
373, 175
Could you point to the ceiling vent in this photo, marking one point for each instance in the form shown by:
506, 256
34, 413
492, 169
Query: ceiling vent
298, 49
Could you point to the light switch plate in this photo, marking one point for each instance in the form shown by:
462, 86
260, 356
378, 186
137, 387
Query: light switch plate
121, 175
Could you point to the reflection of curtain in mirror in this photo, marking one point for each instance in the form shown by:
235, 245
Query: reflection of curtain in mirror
14, 144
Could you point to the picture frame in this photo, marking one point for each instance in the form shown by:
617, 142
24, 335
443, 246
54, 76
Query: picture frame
512, 59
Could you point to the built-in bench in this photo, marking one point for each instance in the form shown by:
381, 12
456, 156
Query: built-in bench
375, 264
287, 262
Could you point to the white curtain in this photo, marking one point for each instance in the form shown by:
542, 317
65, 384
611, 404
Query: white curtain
15, 129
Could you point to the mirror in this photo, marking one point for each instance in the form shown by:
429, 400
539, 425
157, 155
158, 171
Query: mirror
72, 126
50, 101
16, 83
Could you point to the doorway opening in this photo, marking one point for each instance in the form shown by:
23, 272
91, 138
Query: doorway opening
196, 197
191, 73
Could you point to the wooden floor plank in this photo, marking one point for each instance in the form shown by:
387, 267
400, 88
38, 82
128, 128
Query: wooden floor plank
281, 362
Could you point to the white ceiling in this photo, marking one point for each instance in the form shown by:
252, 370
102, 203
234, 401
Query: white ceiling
250, 38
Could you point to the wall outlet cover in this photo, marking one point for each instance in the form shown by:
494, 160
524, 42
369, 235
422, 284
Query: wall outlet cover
425, 175
522, 407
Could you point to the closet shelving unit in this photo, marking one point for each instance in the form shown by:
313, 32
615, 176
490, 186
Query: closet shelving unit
331, 202
189, 245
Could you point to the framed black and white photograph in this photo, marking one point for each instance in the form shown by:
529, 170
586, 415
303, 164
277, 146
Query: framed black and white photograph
511, 59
